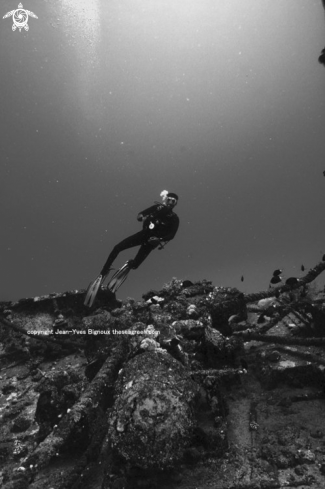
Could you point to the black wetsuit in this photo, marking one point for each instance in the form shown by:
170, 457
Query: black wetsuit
158, 221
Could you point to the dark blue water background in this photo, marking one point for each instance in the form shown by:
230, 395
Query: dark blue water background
106, 103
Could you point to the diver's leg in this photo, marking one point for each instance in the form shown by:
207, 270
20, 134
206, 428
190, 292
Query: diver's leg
142, 254
134, 240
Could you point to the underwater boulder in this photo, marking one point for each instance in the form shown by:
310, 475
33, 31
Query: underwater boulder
153, 417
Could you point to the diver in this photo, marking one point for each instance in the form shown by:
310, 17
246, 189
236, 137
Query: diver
160, 225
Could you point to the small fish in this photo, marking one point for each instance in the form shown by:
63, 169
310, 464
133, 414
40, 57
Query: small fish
242, 278
261, 318
292, 281
324, 171
302, 268
321, 60
277, 272
276, 279
323, 258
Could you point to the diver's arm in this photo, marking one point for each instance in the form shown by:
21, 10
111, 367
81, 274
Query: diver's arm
144, 214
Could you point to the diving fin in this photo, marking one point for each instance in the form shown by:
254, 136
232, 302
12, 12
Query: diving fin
93, 289
119, 277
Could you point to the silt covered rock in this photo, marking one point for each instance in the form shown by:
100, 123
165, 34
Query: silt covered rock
153, 416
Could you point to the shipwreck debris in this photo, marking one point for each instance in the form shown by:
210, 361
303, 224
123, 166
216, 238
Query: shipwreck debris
153, 418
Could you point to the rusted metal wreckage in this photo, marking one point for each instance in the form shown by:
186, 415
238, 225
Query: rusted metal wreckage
138, 400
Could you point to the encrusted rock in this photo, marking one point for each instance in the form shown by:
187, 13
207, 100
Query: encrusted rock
305, 457
219, 349
224, 302
58, 393
21, 423
273, 356
192, 311
153, 417
99, 321
188, 326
